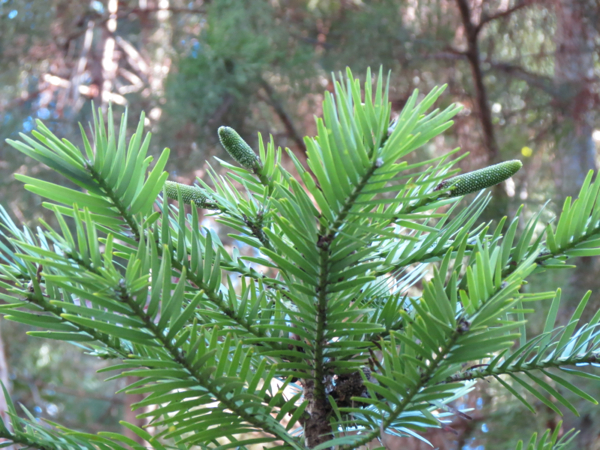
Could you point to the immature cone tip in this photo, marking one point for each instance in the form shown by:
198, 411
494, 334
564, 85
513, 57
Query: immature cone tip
238, 148
189, 194
480, 179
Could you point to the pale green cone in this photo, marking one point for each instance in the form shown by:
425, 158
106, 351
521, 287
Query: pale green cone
480, 179
238, 149
189, 194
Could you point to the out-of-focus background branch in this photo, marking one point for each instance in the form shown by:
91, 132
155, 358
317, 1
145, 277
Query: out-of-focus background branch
526, 71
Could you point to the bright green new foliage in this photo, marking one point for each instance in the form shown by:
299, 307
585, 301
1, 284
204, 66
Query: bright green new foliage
354, 302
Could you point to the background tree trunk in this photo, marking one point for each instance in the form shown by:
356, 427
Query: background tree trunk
576, 151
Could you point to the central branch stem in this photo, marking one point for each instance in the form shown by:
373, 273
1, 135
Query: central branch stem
317, 428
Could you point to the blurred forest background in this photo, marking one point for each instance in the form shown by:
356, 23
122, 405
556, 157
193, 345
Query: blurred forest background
526, 71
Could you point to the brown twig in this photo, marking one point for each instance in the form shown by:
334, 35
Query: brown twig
539, 81
533, 79
499, 15
283, 115
168, 9
472, 55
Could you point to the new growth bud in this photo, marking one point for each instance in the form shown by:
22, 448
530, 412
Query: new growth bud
479, 179
189, 194
238, 149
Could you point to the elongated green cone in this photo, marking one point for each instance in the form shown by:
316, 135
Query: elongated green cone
189, 194
480, 179
238, 148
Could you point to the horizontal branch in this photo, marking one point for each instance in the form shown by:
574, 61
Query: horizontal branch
21, 439
157, 9
536, 80
481, 371
502, 14
44, 303
539, 81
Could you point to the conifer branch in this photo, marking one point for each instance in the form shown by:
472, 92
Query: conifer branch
119, 206
57, 313
22, 439
38, 299
483, 371
210, 293
199, 197
177, 356
327, 234
216, 299
414, 390
124, 296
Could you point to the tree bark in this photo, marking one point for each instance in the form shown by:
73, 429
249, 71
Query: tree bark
317, 428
